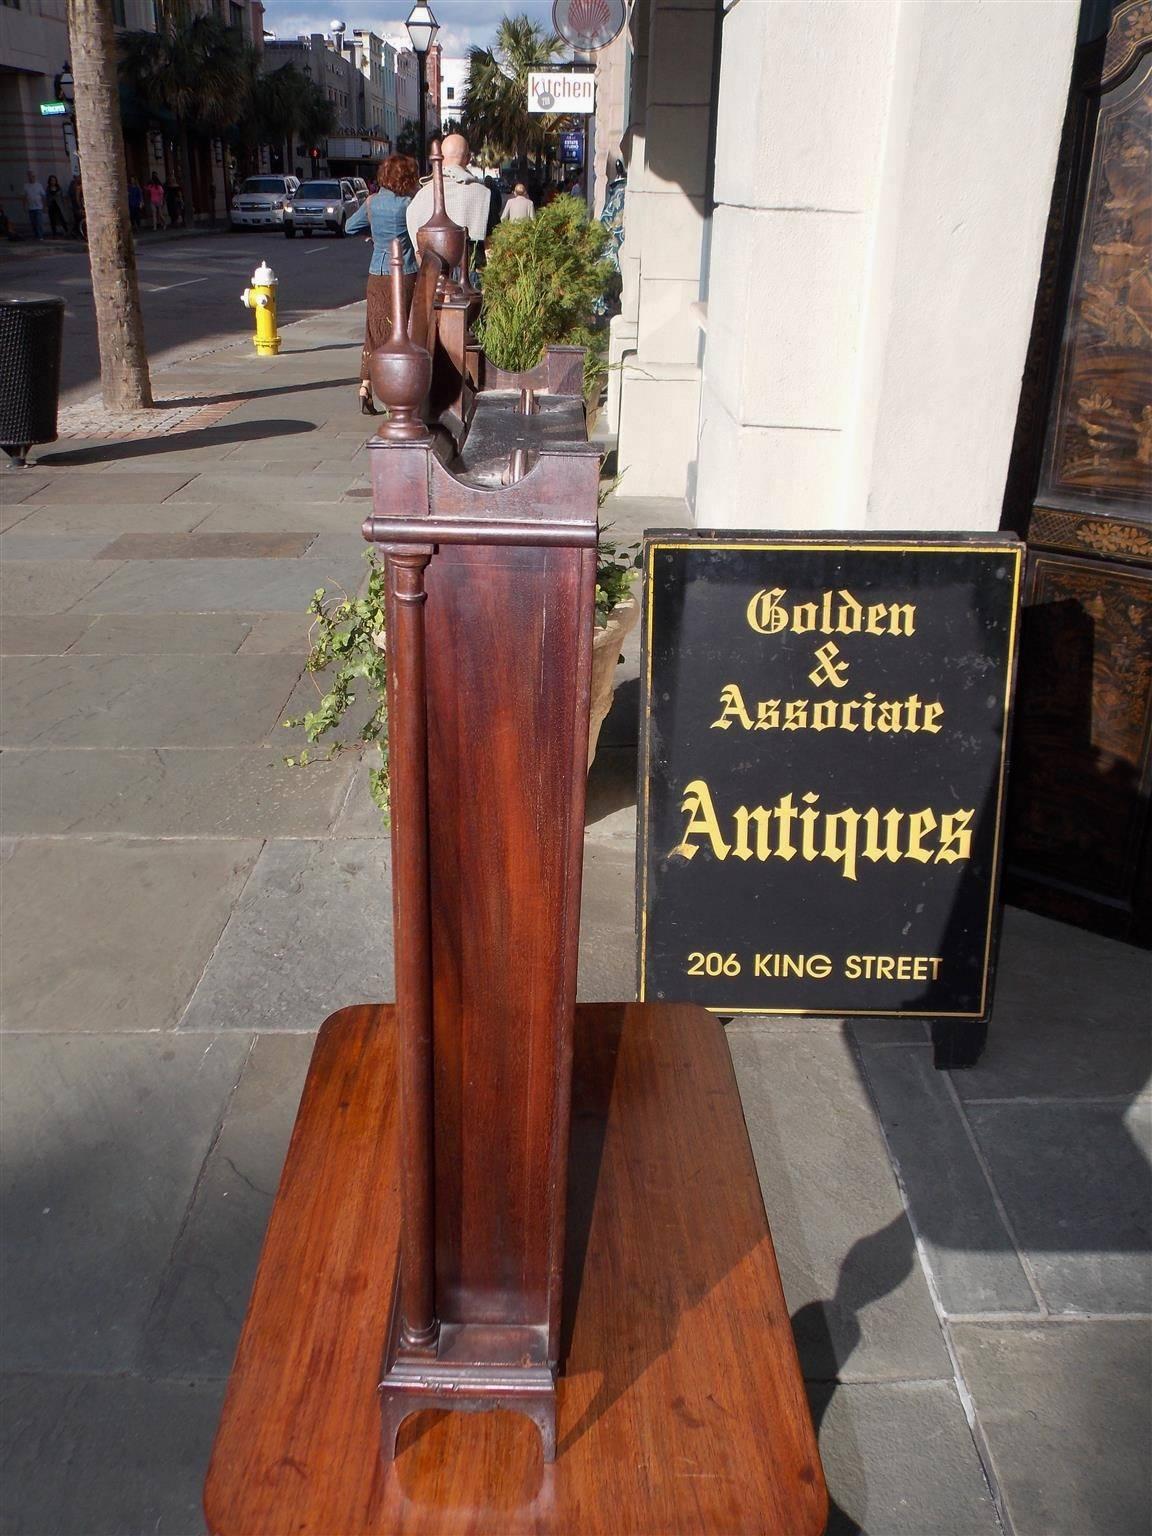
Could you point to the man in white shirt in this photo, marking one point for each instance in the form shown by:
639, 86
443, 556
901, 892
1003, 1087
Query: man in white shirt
34, 199
519, 206
466, 200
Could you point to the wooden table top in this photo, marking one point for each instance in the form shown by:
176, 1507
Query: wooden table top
681, 1406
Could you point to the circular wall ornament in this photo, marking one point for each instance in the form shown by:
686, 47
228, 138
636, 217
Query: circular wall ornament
589, 24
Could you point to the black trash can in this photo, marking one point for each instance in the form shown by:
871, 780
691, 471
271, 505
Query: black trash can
31, 341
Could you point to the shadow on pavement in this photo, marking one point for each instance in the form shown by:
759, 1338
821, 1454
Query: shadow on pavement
173, 442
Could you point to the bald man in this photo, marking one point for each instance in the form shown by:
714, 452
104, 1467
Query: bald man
466, 200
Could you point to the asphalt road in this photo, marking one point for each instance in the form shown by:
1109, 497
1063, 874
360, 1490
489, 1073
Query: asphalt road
189, 288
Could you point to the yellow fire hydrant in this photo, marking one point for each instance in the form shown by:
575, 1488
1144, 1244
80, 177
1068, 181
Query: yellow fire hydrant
261, 297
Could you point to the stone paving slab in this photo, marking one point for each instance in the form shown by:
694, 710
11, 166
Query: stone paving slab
194, 1326
861, 1309
276, 633
213, 586
49, 586
17, 485
104, 1137
610, 812
85, 1455
1070, 1017
1064, 1413
899, 1461
265, 490
607, 971
311, 934
226, 792
145, 545
1077, 1187
100, 517
31, 634
169, 634
144, 700
971, 1253
304, 516
111, 935
51, 546
360, 816
114, 490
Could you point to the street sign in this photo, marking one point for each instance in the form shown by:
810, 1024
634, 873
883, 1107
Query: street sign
561, 91
589, 24
824, 731
53, 109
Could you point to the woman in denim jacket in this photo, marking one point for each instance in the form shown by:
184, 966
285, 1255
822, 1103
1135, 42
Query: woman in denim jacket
384, 214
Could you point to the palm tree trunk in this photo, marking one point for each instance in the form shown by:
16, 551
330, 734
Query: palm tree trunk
100, 143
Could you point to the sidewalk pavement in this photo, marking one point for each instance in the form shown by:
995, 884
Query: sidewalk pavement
965, 1255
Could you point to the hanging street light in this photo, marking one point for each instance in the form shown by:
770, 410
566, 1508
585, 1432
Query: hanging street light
422, 28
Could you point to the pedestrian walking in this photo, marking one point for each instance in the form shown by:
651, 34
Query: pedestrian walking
54, 198
174, 198
34, 197
76, 204
519, 206
135, 202
155, 194
385, 214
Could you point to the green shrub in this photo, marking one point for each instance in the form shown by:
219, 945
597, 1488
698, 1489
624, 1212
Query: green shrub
542, 279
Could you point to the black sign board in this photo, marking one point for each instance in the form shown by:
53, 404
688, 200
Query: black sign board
825, 726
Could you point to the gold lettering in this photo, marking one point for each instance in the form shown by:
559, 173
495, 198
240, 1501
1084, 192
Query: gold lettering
812, 831
829, 670
761, 818
919, 824
872, 848
702, 820
955, 837
842, 850
764, 615
767, 615
733, 708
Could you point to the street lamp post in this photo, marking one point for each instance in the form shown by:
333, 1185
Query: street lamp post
422, 28
66, 91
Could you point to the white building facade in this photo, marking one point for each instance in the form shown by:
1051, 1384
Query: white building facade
453, 89
833, 232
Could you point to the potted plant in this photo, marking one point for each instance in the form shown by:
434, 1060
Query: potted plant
541, 283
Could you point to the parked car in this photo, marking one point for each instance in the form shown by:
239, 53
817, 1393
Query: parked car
360, 187
320, 205
260, 201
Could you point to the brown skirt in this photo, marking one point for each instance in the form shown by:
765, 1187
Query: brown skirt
378, 322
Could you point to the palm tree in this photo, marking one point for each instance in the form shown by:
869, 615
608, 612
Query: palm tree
100, 140
285, 105
194, 67
496, 116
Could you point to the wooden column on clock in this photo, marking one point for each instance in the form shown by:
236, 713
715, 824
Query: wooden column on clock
490, 620
489, 1188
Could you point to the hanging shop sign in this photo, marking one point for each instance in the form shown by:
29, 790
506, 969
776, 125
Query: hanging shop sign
572, 147
589, 24
561, 91
824, 732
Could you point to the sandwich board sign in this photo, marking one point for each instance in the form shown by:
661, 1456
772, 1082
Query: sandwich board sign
823, 756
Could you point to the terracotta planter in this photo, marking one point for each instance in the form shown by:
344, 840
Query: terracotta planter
607, 645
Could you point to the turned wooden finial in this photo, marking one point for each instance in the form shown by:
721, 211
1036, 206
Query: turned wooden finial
440, 233
401, 371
